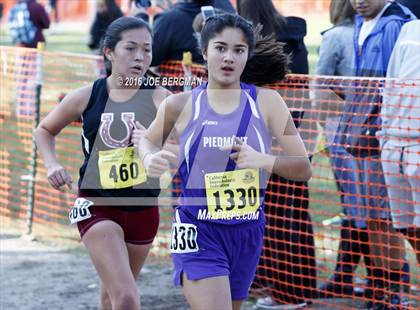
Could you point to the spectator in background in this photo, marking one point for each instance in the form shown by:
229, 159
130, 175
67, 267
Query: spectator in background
27, 32
26, 21
54, 10
1, 10
335, 58
336, 49
289, 245
106, 12
173, 32
377, 26
160, 6
289, 30
149, 10
138, 8
163, 4
400, 134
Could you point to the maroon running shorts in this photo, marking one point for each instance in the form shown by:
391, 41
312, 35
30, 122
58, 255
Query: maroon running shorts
139, 227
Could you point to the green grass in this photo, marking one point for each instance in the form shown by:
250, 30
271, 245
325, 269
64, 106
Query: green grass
73, 39
68, 39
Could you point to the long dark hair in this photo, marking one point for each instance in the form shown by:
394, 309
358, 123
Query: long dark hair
113, 35
262, 12
340, 10
269, 63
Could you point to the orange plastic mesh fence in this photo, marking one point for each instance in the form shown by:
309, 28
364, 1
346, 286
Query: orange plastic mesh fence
336, 226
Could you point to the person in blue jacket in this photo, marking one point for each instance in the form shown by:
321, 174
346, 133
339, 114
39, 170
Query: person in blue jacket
377, 26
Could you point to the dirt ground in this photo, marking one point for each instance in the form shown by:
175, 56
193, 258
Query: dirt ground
44, 274
35, 275
57, 274
41, 275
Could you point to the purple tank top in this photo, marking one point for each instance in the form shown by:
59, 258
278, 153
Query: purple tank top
208, 192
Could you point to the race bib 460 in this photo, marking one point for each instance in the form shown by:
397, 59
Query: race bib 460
120, 168
233, 192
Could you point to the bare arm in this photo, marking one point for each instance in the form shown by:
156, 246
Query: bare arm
70, 109
294, 164
155, 159
158, 96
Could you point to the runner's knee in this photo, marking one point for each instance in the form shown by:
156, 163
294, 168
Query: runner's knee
105, 303
127, 298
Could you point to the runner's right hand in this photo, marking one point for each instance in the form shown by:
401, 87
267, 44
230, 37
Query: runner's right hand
158, 163
58, 176
137, 134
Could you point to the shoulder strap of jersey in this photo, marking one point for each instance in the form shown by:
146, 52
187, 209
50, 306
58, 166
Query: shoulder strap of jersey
243, 126
98, 94
196, 106
244, 123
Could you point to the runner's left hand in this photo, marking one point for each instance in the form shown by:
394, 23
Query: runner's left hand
245, 156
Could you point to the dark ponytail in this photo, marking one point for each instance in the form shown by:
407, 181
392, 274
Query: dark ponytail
269, 63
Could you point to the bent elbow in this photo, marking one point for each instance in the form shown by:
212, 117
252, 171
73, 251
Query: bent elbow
42, 133
36, 133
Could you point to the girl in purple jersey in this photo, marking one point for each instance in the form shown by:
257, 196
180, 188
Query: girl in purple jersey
225, 129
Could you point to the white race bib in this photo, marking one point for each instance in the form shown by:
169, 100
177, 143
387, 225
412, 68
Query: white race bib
184, 238
80, 210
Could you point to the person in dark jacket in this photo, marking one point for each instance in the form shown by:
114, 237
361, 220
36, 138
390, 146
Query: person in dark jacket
173, 31
413, 5
106, 12
289, 30
289, 242
292, 34
39, 18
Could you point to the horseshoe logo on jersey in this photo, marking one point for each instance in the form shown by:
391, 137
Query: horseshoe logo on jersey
104, 129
